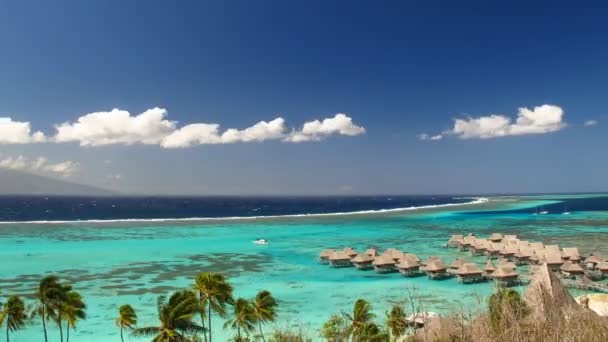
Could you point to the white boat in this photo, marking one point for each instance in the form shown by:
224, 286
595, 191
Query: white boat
261, 242
544, 212
566, 213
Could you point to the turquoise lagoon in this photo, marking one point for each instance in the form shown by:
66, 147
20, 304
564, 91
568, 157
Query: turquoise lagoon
134, 262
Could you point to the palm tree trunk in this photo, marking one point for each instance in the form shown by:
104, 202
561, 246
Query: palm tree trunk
67, 332
238, 332
121, 338
200, 295
209, 318
7, 338
44, 323
60, 327
261, 333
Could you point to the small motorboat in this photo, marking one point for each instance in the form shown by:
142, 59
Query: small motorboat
261, 242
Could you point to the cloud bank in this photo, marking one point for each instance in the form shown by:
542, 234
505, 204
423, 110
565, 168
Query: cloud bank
119, 127
39, 166
15, 132
539, 120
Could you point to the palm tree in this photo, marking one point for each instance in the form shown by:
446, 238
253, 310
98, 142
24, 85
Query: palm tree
395, 321
362, 315
244, 318
73, 309
214, 293
49, 295
264, 311
13, 315
175, 317
58, 303
127, 318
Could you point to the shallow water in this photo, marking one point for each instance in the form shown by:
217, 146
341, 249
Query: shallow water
118, 263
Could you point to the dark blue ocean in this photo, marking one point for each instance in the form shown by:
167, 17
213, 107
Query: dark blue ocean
62, 208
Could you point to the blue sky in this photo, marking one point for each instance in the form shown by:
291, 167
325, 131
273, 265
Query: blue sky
396, 69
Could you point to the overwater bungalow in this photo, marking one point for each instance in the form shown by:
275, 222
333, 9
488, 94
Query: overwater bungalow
393, 253
372, 252
571, 270
339, 259
509, 237
592, 260
571, 253
412, 256
538, 256
523, 255
384, 264
408, 267
495, 248
363, 261
455, 241
457, 263
479, 247
508, 252
505, 276
436, 270
469, 273
553, 248
489, 269
324, 256
603, 268
350, 252
523, 244
430, 259
495, 237
554, 260
467, 242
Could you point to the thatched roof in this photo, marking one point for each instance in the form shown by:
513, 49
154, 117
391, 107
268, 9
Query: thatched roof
412, 256
504, 272
546, 291
435, 266
362, 257
339, 255
537, 245
602, 266
457, 263
553, 258
553, 248
569, 266
456, 238
407, 263
571, 253
326, 253
393, 253
525, 252
495, 237
496, 246
510, 237
384, 260
482, 244
489, 266
594, 259
350, 252
371, 252
429, 260
468, 269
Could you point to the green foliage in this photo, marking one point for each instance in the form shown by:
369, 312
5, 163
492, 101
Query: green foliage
243, 317
361, 317
127, 319
335, 329
264, 309
288, 336
13, 314
175, 319
506, 304
214, 293
395, 321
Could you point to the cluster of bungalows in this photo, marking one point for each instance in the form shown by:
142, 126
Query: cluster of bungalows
566, 261
391, 260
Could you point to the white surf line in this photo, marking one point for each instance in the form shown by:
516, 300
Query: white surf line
476, 200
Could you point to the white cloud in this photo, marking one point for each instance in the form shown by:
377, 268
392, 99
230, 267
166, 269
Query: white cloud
340, 124
425, 136
39, 165
540, 120
591, 123
153, 128
117, 127
202, 133
16, 132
